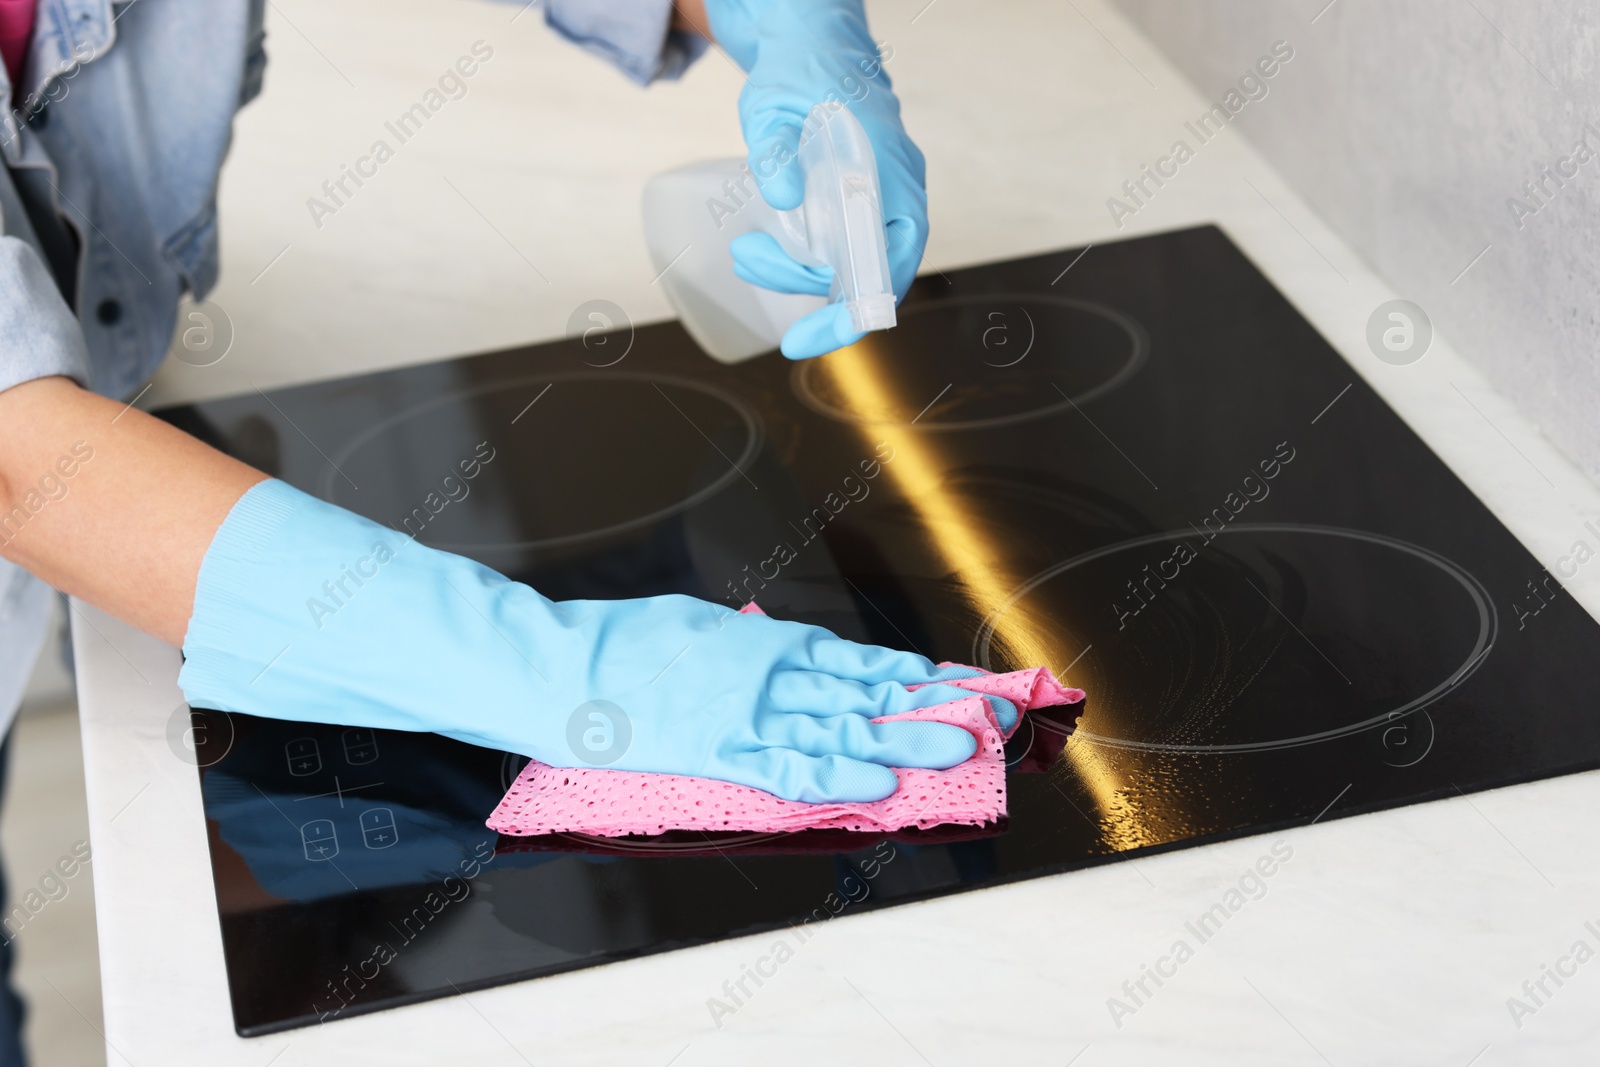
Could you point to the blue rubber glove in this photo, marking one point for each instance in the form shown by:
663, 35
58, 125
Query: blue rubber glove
800, 53
306, 611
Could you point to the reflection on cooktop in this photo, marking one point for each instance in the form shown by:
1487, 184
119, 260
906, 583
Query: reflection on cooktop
607, 452
1252, 636
1148, 473
1007, 357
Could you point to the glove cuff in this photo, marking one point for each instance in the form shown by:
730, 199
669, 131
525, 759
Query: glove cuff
252, 523
306, 611
224, 611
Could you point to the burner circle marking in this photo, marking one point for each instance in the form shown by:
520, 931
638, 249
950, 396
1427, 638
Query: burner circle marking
1488, 628
623, 844
747, 416
1138, 354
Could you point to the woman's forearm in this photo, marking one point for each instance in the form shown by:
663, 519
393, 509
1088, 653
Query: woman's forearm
690, 16
109, 504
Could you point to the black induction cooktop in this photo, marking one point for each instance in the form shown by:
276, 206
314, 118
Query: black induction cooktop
1141, 467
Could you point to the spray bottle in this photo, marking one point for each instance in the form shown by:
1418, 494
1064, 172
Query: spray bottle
692, 213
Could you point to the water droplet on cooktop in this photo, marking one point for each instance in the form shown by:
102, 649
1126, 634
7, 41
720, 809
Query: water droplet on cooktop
974, 362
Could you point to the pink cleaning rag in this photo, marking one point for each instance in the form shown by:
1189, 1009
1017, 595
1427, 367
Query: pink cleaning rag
612, 803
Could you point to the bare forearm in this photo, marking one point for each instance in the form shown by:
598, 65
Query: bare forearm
109, 504
690, 16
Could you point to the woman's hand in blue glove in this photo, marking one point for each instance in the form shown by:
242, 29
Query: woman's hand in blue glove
800, 53
306, 611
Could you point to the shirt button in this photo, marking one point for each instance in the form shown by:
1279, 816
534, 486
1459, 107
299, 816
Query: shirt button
108, 312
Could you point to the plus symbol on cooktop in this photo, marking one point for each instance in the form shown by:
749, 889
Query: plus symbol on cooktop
304, 756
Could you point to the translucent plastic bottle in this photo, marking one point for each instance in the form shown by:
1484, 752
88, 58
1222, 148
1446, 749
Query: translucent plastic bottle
692, 213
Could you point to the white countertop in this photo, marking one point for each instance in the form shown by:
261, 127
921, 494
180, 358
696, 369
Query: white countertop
1388, 938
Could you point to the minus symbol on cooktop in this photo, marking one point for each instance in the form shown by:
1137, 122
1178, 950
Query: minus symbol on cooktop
532, 402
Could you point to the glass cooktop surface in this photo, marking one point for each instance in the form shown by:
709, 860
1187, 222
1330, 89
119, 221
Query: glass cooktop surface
1147, 472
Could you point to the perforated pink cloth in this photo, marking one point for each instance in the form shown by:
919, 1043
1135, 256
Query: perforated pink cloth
613, 803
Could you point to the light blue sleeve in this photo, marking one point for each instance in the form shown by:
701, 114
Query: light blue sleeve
635, 36
38, 334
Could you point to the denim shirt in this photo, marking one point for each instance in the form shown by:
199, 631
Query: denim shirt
120, 129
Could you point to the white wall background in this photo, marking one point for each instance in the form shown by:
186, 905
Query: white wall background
1408, 126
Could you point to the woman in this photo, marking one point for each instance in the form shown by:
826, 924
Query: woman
117, 120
